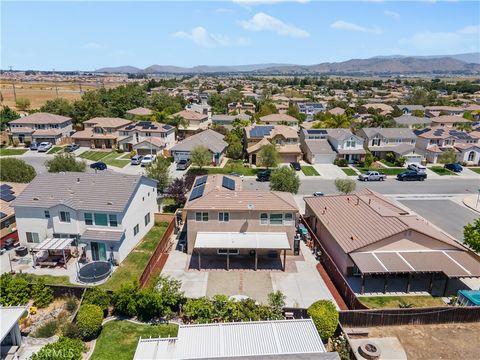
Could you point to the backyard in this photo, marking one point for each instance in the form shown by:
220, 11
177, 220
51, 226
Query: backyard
12, 152
441, 170
111, 158
47, 279
393, 302
309, 171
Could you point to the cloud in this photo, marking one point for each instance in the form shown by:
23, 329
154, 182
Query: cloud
265, 22
445, 41
392, 14
249, 3
471, 29
92, 45
344, 25
200, 36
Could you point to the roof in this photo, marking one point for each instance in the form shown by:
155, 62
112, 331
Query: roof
242, 240
411, 120
147, 126
449, 119
225, 340
9, 317
336, 111
209, 138
190, 115
89, 134
154, 141
102, 191
340, 134
412, 107
230, 118
400, 149
6, 209
389, 133
443, 133
278, 118
107, 122
47, 132
53, 244
41, 118
270, 131
103, 235
319, 146
140, 111
379, 106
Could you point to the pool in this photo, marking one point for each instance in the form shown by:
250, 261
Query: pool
469, 298
95, 271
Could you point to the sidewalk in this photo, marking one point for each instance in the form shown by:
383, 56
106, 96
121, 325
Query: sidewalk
473, 202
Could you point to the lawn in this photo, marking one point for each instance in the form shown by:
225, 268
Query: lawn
441, 170
349, 171
385, 302
388, 163
231, 166
10, 152
118, 339
386, 171
94, 155
48, 279
477, 170
55, 149
111, 158
132, 267
169, 205
310, 171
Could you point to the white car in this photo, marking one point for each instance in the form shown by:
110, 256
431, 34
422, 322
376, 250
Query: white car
418, 168
147, 160
44, 147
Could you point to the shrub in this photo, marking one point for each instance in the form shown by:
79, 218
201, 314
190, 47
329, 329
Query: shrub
71, 304
71, 331
13, 290
132, 154
16, 170
400, 161
345, 186
15, 142
89, 321
325, 316
284, 179
64, 162
340, 162
42, 295
46, 330
27, 143
97, 296
125, 299
64, 348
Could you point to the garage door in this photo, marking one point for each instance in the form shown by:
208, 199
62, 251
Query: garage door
324, 158
288, 158
181, 155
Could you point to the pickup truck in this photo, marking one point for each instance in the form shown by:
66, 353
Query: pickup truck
372, 176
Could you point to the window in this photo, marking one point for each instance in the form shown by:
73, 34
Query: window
112, 219
227, 251
32, 237
88, 218
288, 218
223, 217
263, 218
47, 214
101, 219
351, 143
201, 216
147, 219
64, 216
136, 230
276, 219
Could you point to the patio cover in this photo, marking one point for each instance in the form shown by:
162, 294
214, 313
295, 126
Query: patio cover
247, 240
9, 317
453, 263
53, 244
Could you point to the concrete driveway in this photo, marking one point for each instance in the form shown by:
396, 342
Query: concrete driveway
329, 171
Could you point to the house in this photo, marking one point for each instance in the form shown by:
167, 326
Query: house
412, 121
383, 109
347, 145
273, 339
108, 212
367, 234
399, 141
280, 119
432, 142
100, 133
434, 111
316, 147
202, 108
40, 127
284, 137
146, 137
410, 109
310, 109
336, 111
139, 113
8, 226
208, 138
241, 107
10, 336
448, 120
227, 120
222, 219
196, 121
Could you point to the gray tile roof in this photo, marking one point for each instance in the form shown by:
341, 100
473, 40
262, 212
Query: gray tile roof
41, 118
209, 138
319, 146
411, 120
103, 235
389, 133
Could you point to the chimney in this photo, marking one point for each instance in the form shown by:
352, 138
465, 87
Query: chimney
78, 180
348, 200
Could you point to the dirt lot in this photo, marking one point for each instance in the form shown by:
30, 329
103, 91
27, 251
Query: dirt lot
446, 341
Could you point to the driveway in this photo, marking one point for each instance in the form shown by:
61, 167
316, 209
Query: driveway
329, 171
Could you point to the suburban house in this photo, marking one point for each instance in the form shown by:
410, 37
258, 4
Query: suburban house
208, 138
40, 127
140, 113
202, 108
8, 226
367, 234
224, 220
347, 145
448, 120
108, 213
100, 133
279, 119
336, 111
310, 109
400, 141
196, 121
434, 111
410, 109
382, 108
412, 121
432, 142
285, 138
241, 107
316, 147
227, 120
146, 137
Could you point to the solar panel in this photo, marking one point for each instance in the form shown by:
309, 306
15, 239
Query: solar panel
7, 197
316, 131
197, 192
260, 131
6, 192
228, 183
2, 215
5, 187
167, 127
200, 181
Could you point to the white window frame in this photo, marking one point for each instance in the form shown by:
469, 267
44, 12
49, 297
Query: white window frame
264, 221
288, 222
228, 251
270, 219
203, 216
68, 219
33, 239
221, 216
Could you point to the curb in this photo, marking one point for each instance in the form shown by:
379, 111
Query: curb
469, 204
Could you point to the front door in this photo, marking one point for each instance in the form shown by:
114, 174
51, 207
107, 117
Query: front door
99, 251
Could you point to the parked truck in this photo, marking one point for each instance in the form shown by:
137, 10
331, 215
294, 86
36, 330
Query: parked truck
372, 176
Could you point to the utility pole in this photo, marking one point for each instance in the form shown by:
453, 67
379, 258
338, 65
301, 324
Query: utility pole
80, 86
55, 81
13, 86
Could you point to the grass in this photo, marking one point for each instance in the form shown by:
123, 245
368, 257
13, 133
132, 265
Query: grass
441, 170
132, 267
118, 339
477, 170
11, 152
169, 205
48, 279
349, 171
388, 163
55, 149
386, 171
94, 155
310, 171
385, 302
110, 158
231, 166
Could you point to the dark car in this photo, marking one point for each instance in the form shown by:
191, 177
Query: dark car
295, 165
183, 164
264, 175
34, 146
411, 175
98, 166
72, 147
454, 167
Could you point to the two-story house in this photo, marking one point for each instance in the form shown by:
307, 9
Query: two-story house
195, 122
241, 107
310, 109
8, 226
283, 137
448, 120
223, 220
40, 127
315, 146
146, 137
399, 141
280, 119
434, 111
432, 142
109, 212
210, 139
228, 120
347, 145
100, 133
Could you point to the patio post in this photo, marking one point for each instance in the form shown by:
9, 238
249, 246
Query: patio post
362, 287
408, 282
33, 258
256, 260
284, 259
385, 284
446, 286
430, 286
64, 259
199, 260
228, 259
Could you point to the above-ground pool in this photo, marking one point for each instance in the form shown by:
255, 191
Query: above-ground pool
95, 271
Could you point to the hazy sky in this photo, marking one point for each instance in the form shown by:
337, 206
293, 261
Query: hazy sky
87, 35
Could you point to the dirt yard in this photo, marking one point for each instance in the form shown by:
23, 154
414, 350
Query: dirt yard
446, 341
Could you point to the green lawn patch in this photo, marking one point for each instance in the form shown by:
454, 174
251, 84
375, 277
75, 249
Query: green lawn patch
132, 267
94, 155
231, 166
388, 163
385, 302
169, 205
55, 149
441, 170
477, 170
310, 171
117, 163
118, 339
386, 171
11, 152
48, 279
349, 171
111, 158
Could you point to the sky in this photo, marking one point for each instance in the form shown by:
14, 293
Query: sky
87, 35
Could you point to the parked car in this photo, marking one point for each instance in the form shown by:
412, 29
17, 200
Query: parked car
72, 147
264, 175
98, 165
44, 147
136, 160
34, 146
411, 175
417, 167
183, 164
147, 160
372, 176
454, 167
295, 165
318, 193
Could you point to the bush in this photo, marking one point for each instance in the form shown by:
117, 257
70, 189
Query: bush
71, 304
16, 170
125, 300
27, 143
284, 179
64, 162
47, 330
13, 290
340, 162
325, 316
345, 186
97, 296
71, 331
64, 348
42, 295
15, 142
89, 321
400, 161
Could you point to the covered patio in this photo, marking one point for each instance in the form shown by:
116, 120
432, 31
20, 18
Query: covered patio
52, 252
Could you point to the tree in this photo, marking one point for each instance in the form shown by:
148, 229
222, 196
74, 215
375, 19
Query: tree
89, 321
14, 290
97, 296
345, 186
235, 150
471, 235
159, 170
337, 121
368, 159
22, 104
65, 162
325, 317
268, 156
276, 300
200, 156
16, 170
64, 348
125, 299
59, 106
284, 179
447, 157
7, 115
177, 190
42, 295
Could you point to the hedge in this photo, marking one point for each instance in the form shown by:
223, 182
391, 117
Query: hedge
325, 316
89, 321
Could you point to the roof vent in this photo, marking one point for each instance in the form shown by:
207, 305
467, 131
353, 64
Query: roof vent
109, 203
352, 237
78, 180
36, 199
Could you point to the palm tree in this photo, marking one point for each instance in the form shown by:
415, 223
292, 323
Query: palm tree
337, 121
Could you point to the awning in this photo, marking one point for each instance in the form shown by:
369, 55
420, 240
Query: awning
102, 235
236, 240
53, 244
9, 317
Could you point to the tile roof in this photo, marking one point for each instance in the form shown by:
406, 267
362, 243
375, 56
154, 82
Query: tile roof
402, 133
411, 120
190, 115
449, 119
278, 118
107, 122
140, 111
319, 146
209, 138
102, 234
41, 118
336, 111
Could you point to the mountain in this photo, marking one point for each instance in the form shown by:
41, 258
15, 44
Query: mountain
471, 58
127, 69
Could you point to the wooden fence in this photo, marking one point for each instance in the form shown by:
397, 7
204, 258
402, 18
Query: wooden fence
159, 256
161, 217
